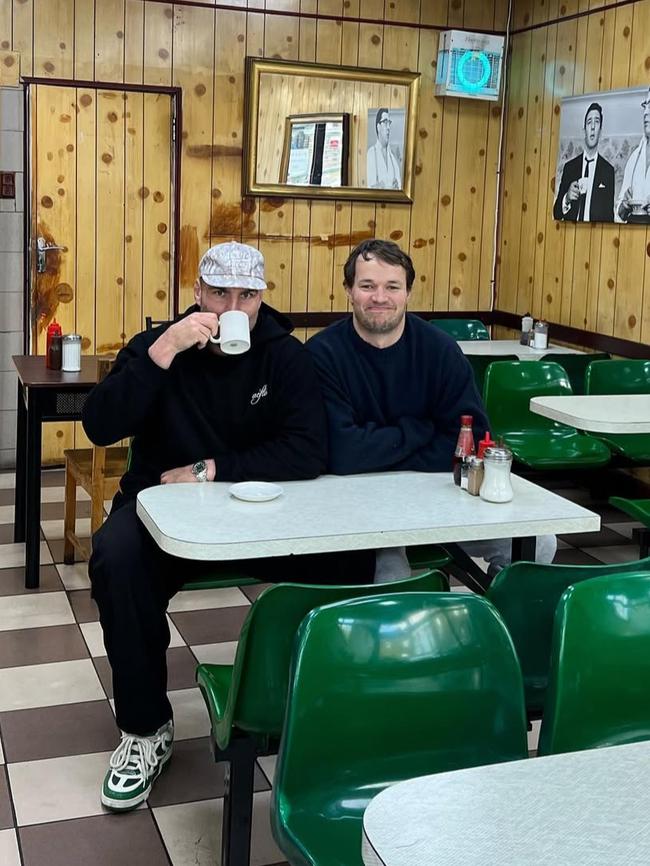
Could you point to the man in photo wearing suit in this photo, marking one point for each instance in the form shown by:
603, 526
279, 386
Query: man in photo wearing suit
586, 191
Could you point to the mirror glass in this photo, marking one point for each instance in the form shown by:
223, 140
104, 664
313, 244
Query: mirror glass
326, 131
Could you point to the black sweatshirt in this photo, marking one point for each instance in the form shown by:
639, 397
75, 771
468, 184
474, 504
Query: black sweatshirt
396, 408
259, 415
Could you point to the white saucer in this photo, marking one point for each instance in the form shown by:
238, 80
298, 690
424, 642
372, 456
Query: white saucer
255, 491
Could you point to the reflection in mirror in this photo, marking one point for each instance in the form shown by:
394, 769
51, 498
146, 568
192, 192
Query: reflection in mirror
328, 131
315, 150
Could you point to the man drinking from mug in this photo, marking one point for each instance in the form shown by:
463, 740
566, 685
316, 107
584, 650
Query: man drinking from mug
198, 413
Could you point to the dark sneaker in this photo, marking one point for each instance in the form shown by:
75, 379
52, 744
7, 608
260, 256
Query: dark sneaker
134, 766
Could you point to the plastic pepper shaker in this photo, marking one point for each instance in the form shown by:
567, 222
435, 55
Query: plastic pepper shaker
526, 328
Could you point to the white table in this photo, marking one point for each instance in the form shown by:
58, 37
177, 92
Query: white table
354, 512
496, 348
579, 809
607, 413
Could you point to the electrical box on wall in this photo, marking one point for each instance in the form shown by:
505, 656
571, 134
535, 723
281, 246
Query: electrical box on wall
469, 65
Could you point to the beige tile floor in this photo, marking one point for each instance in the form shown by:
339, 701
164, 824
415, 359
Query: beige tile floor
56, 720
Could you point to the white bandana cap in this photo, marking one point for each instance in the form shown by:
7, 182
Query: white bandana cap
233, 265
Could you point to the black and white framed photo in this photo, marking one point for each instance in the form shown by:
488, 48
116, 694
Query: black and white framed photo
385, 153
603, 159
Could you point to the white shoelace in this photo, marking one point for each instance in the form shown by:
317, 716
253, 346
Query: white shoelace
135, 754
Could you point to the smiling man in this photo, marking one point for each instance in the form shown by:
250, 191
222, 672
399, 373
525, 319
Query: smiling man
633, 204
395, 388
194, 415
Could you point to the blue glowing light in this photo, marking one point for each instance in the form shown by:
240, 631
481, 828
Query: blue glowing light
477, 74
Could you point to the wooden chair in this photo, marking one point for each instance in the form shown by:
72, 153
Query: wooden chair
98, 470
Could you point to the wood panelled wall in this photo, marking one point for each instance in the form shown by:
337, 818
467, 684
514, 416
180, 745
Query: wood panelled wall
449, 228
595, 276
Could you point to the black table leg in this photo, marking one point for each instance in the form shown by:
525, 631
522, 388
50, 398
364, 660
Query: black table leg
523, 549
33, 494
21, 466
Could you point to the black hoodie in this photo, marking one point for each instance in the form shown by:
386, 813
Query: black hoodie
259, 415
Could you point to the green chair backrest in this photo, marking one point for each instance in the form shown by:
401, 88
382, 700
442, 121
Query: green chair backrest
575, 366
387, 688
508, 387
526, 594
600, 667
618, 377
462, 329
257, 698
480, 363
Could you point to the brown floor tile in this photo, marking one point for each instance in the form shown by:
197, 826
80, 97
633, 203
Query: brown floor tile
12, 580
83, 607
53, 478
605, 537
7, 496
6, 815
210, 626
56, 510
35, 646
193, 775
108, 840
251, 592
574, 556
51, 732
6, 532
181, 667
56, 549
105, 674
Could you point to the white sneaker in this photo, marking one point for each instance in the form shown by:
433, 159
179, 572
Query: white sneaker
134, 766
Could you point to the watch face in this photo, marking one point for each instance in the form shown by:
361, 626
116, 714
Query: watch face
199, 468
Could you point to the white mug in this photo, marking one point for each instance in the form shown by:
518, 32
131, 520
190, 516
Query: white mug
234, 333
583, 185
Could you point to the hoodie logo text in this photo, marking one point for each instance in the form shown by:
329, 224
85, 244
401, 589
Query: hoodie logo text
257, 396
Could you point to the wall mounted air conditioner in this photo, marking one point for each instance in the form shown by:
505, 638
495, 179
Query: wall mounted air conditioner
469, 65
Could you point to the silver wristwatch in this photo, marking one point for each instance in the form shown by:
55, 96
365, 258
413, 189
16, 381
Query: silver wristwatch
200, 471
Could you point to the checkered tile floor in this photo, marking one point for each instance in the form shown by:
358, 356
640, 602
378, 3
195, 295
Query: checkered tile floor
56, 719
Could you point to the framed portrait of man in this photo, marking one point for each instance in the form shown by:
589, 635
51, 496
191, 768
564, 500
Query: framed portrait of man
385, 151
603, 156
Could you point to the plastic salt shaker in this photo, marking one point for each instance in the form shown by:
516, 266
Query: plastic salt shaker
71, 353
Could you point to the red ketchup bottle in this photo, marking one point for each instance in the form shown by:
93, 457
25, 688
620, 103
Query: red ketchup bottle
464, 446
51, 357
484, 443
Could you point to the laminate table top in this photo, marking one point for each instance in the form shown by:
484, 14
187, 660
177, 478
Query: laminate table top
585, 808
354, 512
511, 347
598, 413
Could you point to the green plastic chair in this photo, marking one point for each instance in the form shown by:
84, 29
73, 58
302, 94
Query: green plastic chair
536, 441
575, 366
462, 329
429, 556
246, 701
621, 377
526, 594
480, 363
640, 510
384, 689
600, 666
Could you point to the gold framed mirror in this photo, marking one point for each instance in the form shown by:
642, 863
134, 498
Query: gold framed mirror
322, 131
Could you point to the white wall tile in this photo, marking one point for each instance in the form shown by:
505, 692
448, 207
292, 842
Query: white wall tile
11, 232
11, 273
11, 151
8, 390
11, 310
10, 344
11, 108
8, 428
7, 458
